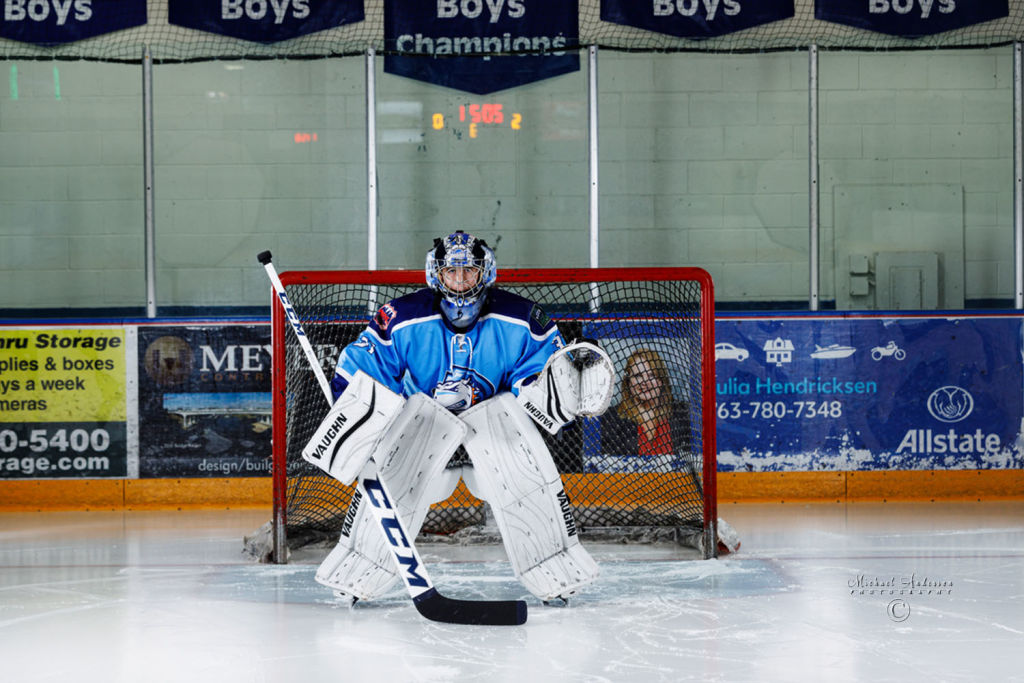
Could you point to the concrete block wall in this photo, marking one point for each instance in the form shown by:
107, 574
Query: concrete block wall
703, 161
925, 118
252, 156
520, 180
712, 148
71, 185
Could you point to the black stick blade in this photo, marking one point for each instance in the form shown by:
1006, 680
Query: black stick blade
437, 607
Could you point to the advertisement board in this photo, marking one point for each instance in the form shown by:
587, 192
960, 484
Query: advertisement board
862, 393
62, 403
204, 401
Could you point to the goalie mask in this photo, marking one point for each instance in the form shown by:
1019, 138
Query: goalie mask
460, 268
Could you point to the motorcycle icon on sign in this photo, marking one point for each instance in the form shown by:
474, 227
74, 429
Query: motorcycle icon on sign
890, 349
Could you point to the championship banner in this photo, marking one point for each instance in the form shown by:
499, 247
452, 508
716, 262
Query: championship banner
910, 18
62, 403
695, 18
864, 393
204, 401
52, 22
264, 21
434, 35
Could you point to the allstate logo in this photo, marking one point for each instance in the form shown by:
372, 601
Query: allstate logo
950, 404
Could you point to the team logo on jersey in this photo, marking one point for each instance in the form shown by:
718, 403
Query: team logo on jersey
538, 316
384, 316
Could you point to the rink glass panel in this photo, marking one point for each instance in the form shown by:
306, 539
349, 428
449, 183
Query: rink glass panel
666, 310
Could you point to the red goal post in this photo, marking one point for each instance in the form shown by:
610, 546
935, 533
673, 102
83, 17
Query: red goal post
664, 312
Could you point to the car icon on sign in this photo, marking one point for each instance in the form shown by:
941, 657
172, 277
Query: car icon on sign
726, 351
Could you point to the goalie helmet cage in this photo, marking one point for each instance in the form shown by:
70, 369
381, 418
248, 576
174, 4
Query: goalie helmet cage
666, 312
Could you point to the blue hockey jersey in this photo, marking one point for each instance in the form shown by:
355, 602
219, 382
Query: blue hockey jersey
410, 347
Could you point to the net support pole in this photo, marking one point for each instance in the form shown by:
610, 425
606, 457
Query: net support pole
371, 160
278, 437
147, 165
709, 418
371, 171
592, 134
595, 251
812, 177
1018, 178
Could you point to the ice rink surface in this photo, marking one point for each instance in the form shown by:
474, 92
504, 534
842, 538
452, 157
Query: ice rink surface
860, 592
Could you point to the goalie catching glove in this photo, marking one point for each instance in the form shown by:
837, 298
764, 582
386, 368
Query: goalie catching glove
577, 380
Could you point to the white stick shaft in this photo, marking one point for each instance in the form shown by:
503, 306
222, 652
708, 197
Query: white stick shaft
293, 318
407, 559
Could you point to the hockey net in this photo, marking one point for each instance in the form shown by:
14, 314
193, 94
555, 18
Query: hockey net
613, 490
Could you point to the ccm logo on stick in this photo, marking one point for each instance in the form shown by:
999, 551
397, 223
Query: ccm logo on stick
391, 526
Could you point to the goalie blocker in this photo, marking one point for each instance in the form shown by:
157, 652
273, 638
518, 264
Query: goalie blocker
348, 436
577, 381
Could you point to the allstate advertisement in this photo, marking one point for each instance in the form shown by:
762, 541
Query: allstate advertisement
863, 393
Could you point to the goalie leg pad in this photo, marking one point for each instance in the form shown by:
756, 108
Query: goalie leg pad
360, 564
514, 472
413, 455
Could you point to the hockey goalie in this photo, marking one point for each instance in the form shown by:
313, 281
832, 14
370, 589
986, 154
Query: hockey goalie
460, 363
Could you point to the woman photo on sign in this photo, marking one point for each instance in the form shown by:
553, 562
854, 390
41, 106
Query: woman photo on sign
648, 421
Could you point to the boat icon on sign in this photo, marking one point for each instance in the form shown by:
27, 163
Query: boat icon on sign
833, 351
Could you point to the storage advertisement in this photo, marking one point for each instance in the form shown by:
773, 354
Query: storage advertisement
62, 403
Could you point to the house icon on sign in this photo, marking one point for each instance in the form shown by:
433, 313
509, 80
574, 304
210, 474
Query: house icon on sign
778, 351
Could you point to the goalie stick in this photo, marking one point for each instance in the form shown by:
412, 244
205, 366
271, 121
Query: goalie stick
430, 603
